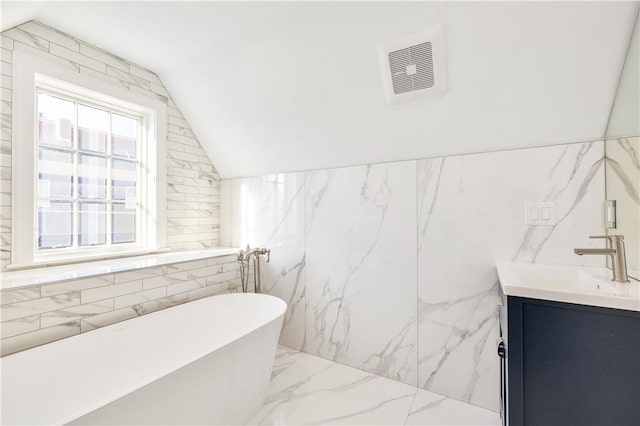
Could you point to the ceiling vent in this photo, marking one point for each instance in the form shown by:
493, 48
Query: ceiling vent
414, 67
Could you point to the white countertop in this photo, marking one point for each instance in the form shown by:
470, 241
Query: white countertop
570, 284
51, 274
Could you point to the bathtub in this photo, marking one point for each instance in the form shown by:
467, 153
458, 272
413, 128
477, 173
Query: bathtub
203, 362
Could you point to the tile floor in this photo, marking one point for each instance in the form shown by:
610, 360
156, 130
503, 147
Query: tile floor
306, 389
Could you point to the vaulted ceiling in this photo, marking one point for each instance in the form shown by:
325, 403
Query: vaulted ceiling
272, 87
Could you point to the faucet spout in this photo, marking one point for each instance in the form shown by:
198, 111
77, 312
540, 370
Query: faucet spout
582, 251
615, 249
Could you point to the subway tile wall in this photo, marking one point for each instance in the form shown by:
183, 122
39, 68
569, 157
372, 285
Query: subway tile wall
37, 315
193, 183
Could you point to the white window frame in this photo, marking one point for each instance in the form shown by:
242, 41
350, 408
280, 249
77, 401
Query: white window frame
31, 73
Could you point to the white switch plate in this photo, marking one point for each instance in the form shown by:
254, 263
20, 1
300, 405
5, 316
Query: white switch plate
540, 213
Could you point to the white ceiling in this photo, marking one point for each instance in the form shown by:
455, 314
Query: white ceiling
271, 87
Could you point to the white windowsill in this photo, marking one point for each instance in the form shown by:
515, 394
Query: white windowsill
51, 274
72, 258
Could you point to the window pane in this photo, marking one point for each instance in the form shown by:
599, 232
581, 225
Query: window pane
93, 126
123, 228
55, 224
55, 121
92, 176
92, 228
55, 173
123, 180
124, 131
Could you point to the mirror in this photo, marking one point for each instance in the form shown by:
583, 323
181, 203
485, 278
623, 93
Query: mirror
622, 151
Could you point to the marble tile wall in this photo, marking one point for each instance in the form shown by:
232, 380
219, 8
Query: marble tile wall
271, 209
397, 275
36, 315
193, 183
623, 185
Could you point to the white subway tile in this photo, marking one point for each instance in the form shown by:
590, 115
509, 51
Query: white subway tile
5, 95
19, 295
38, 306
6, 69
6, 43
6, 55
17, 34
206, 291
163, 303
50, 34
140, 274
154, 282
5, 82
159, 89
104, 57
140, 297
108, 318
225, 276
182, 287
19, 326
145, 74
173, 120
101, 76
77, 285
186, 140
39, 337
132, 80
23, 48
110, 291
77, 58
48, 319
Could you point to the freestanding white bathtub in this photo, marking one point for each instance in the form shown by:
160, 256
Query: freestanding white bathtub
203, 362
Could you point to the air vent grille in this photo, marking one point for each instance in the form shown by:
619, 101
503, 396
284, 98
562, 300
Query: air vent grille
412, 68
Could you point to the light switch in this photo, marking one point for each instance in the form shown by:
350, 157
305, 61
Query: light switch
534, 213
540, 213
545, 213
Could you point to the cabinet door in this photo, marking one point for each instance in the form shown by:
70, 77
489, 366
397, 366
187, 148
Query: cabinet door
580, 364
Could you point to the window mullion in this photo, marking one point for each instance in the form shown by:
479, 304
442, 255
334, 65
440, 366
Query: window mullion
109, 207
76, 179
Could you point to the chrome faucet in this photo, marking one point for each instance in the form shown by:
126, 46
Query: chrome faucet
615, 249
244, 256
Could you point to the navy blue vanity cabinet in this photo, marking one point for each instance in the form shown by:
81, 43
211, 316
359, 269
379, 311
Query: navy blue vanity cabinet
569, 364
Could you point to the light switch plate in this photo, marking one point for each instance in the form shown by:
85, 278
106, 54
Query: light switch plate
540, 213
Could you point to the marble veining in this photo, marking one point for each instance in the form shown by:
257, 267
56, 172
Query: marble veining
271, 209
359, 221
394, 263
571, 175
470, 215
623, 185
305, 389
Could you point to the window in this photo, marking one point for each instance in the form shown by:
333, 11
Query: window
88, 173
92, 165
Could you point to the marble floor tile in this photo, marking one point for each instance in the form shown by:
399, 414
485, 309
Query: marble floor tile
314, 390
430, 408
306, 389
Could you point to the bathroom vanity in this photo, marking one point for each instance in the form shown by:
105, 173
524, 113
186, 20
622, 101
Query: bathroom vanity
570, 346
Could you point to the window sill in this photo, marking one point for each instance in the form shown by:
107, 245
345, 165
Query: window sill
51, 274
75, 259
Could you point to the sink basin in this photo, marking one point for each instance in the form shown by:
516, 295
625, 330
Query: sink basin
571, 284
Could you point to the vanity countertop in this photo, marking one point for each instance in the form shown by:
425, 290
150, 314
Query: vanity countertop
570, 284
